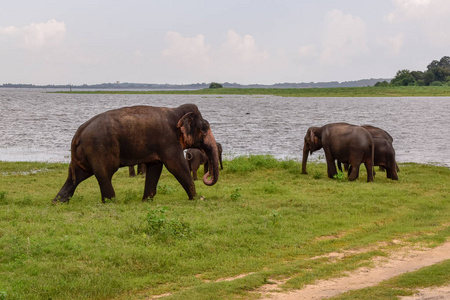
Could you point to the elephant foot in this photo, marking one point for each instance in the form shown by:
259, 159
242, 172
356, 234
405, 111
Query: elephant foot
198, 197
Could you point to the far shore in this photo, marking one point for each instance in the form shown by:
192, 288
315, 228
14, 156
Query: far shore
370, 91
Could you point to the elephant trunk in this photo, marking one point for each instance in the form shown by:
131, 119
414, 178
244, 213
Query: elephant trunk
213, 159
305, 158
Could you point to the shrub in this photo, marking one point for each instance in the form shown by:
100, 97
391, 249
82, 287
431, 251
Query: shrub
215, 85
158, 224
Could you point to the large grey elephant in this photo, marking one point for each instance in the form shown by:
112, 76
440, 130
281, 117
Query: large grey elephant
343, 142
128, 136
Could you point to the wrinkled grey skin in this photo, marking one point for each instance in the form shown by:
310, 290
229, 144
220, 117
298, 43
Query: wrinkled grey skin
343, 142
129, 136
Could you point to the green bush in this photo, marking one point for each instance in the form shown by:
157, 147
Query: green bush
215, 85
159, 224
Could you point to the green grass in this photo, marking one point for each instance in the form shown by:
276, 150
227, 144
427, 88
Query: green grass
262, 218
399, 91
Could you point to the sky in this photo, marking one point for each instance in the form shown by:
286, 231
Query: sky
242, 41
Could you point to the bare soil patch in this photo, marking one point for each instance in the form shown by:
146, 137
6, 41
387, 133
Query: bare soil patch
397, 263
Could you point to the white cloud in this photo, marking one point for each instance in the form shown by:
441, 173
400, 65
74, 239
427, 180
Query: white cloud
431, 16
393, 44
36, 35
243, 49
185, 50
307, 51
344, 38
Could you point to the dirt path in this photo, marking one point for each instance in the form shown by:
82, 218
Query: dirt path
394, 265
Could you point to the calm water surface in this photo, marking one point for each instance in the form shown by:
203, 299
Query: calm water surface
39, 126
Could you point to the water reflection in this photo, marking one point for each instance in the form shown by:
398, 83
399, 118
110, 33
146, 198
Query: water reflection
39, 126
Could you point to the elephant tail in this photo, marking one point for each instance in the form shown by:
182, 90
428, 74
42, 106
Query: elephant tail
373, 156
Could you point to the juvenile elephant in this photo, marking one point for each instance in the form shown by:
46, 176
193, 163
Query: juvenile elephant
196, 158
128, 136
344, 142
385, 157
140, 170
377, 132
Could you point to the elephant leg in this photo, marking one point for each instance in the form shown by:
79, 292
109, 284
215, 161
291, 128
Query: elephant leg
369, 169
104, 171
331, 167
106, 188
153, 172
75, 177
178, 167
391, 173
141, 169
339, 166
194, 171
354, 172
131, 171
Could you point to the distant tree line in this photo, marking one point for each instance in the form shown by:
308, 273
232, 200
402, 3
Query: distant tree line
437, 74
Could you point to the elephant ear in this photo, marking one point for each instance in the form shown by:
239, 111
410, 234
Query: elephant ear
313, 137
185, 124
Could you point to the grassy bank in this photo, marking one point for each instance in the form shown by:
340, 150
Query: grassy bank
400, 91
263, 218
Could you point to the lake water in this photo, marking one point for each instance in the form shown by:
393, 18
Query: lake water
38, 126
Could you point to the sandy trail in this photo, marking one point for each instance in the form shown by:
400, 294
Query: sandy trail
394, 265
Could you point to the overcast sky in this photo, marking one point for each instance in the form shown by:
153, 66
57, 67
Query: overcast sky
195, 41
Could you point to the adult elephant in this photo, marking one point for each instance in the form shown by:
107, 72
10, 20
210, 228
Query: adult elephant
196, 158
344, 142
128, 136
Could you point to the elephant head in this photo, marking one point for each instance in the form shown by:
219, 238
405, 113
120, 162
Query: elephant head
196, 133
313, 142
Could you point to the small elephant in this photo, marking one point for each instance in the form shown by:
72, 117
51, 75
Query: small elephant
140, 170
385, 157
377, 132
343, 142
128, 136
196, 158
